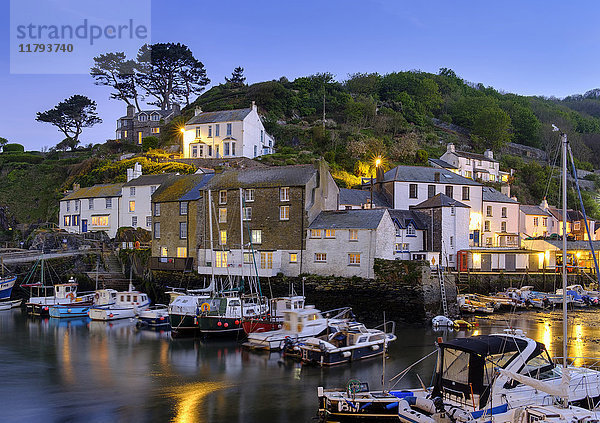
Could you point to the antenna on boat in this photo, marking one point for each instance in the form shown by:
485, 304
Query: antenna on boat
383, 355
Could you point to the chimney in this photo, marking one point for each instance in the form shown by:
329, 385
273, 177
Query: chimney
197, 111
505, 189
450, 148
254, 105
380, 173
176, 109
76, 187
544, 204
489, 154
130, 111
129, 174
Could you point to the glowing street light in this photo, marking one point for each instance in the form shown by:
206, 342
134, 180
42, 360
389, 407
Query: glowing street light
377, 163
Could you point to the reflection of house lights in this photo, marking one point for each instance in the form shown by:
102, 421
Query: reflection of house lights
476, 259
541, 259
547, 254
578, 254
189, 400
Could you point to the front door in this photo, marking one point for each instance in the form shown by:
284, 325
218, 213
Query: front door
510, 262
83, 225
486, 262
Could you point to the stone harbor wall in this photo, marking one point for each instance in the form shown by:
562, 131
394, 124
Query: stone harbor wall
482, 283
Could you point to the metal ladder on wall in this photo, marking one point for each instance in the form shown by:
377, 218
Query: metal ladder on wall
443, 290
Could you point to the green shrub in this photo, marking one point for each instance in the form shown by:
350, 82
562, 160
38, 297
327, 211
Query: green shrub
13, 148
22, 158
149, 143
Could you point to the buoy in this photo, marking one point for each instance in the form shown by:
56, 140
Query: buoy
219, 324
237, 322
226, 324
162, 318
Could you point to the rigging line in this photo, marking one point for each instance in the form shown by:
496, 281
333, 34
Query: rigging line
552, 166
585, 219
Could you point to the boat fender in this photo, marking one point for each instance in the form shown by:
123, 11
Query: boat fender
425, 404
391, 405
374, 347
68, 310
226, 324
458, 414
362, 407
407, 415
219, 324
346, 354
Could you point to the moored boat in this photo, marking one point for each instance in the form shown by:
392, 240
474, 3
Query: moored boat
69, 310
7, 305
6, 286
154, 316
274, 319
63, 294
127, 305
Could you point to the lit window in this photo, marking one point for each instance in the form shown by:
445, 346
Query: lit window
221, 258
140, 137
223, 197
156, 209
134, 221
67, 220
99, 220
284, 212
164, 252
155, 130
249, 195
223, 237
109, 203
247, 212
256, 236
183, 208
266, 260
320, 257
75, 220
156, 230
353, 234
315, 233
284, 194
354, 259
248, 258
182, 230
181, 252
131, 191
131, 206
222, 215
329, 233
293, 258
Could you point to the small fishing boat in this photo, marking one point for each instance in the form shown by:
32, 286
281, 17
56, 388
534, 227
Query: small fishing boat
127, 305
274, 319
62, 294
298, 325
62, 311
154, 316
351, 341
6, 285
470, 303
7, 305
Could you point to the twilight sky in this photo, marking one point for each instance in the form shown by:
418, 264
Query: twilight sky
531, 48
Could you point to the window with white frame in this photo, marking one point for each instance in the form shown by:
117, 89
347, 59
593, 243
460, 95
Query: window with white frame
486, 226
315, 233
226, 149
284, 212
284, 194
536, 220
198, 132
182, 230
353, 259
148, 221
466, 193
156, 209
217, 130
156, 230
229, 129
209, 131
503, 227
68, 205
134, 221
222, 215
488, 211
91, 204
223, 197
248, 258
183, 208
329, 233
108, 203
132, 191
412, 191
249, 195
503, 211
247, 213
410, 230
256, 236
142, 117
353, 234
320, 257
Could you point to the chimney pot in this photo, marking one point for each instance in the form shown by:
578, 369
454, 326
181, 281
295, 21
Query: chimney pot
130, 111
450, 148
197, 111
489, 154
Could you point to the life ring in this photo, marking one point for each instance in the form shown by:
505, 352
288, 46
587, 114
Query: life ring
71, 296
137, 245
205, 307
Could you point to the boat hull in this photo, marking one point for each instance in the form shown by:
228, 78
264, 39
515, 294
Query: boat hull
68, 311
218, 325
6, 286
341, 356
111, 313
258, 325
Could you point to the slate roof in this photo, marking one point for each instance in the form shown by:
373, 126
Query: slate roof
358, 197
348, 219
179, 187
96, 191
533, 210
148, 180
426, 174
439, 200
474, 156
219, 116
491, 194
163, 114
573, 245
402, 217
276, 176
443, 164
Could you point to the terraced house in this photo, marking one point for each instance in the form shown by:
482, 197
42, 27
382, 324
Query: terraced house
178, 221
259, 218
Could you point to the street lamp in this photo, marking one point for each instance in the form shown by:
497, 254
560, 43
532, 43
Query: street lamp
377, 163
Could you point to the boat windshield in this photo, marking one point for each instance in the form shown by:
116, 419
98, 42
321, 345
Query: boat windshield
455, 366
539, 366
492, 362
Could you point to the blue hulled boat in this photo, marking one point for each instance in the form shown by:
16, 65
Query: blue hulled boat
70, 310
6, 286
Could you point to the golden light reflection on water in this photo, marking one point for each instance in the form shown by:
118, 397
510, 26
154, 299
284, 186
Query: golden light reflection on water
189, 400
577, 343
67, 365
547, 337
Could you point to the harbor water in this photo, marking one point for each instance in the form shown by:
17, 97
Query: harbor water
81, 371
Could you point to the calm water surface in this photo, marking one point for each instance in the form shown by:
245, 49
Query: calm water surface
81, 371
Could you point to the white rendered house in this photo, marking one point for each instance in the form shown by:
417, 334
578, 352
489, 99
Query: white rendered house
500, 220
226, 134
411, 234
475, 166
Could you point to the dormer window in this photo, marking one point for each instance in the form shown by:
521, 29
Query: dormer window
410, 230
155, 117
142, 117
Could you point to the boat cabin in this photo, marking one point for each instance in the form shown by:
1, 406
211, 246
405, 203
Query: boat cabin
279, 305
65, 290
131, 298
296, 320
105, 297
466, 367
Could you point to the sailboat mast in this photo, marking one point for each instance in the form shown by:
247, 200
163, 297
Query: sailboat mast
242, 237
564, 246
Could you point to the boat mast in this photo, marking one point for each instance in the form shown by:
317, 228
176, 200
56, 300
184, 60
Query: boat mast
564, 251
242, 240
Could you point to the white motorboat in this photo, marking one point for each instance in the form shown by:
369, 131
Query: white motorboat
154, 316
298, 325
127, 305
350, 341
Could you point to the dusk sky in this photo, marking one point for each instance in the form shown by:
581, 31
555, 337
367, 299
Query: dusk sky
545, 48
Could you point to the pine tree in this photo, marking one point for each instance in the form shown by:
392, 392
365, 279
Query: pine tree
237, 78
